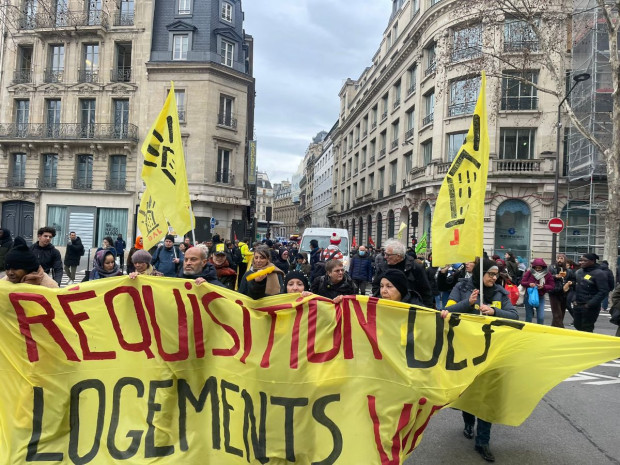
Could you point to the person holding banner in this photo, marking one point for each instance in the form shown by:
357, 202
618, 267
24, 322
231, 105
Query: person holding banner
495, 301
104, 265
296, 282
393, 286
22, 266
335, 284
142, 262
263, 279
197, 267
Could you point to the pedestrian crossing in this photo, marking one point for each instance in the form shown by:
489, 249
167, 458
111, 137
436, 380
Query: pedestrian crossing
79, 276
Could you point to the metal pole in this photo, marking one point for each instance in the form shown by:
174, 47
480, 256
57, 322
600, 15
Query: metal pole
554, 237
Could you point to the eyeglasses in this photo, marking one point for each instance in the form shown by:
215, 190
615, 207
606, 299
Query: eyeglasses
390, 254
493, 275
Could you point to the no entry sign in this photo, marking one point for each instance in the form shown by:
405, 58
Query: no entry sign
556, 225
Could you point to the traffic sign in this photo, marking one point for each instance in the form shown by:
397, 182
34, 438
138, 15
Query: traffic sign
213, 223
556, 225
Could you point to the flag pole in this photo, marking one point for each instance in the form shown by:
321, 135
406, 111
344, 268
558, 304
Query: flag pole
481, 277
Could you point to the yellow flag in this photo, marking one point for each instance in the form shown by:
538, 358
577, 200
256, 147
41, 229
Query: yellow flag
403, 225
151, 221
458, 223
164, 167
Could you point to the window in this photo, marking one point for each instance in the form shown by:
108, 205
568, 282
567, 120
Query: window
180, 46
427, 152
84, 172
397, 94
382, 143
408, 162
375, 116
430, 59
393, 173
49, 170
121, 118
517, 143
225, 116
23, 73
60, 13
18, 171
227, 12
30, 14
429, 105
52, 117
90, 69
365, 126
87, 114
223, 173
126, 15
519, 36
227, 51
455, 141
411, 79
517, 94
381, 178
410, 122
22, 115
384, 106
463, 96
395, 131
185, 7
94, 12
373, 150
371, 182
467, 43
179, 96
56, 65
117, 177
122, 73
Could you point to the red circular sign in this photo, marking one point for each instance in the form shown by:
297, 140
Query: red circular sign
556, 225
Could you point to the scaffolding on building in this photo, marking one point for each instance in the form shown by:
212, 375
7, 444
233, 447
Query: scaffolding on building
591, 101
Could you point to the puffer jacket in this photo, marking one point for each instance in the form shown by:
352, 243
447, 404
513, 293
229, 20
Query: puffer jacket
361, 268
458, 301
591, 286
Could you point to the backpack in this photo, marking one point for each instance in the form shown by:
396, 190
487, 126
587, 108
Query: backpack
319, 267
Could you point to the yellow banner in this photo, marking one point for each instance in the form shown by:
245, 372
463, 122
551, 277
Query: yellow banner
164, 172
151, 221
161, 370
458, 221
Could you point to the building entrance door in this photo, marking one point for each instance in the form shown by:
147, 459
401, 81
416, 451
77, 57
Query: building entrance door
18, 217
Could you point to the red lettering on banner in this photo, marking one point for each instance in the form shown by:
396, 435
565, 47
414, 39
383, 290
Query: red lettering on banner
405, 416
264, 363
247, 332
456, 240
421, 429
321, 357
206, 300
47, 320
368, 325
198, 331
294, 362
76, 319
142, 346
183, 352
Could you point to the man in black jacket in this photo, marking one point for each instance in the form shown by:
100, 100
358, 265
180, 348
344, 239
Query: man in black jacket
590, 290
335, 284
47, 255
75, 250
395, 257
196, 266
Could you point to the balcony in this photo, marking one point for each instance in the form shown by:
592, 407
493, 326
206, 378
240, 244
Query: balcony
466, 53
431, 69
519, 103
22, 76
428, 119
382, 152
88, 75
392, 189
115, 184
394, 144
69, 131
15, 181
357, 141
363, 165
396, 104
384, 115
373, 126
64, 19
409, 134
521, 45
516, 167
120, 75
379, 194
355, 172
53, 75
365, 133
411, 89
372, 160
49, 183
227, 121
124, 19
465, 108
224, 177
82, 184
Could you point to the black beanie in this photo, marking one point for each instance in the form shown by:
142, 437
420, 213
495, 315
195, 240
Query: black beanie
590, 256
398, 279
169, 237
20, 257
296, 275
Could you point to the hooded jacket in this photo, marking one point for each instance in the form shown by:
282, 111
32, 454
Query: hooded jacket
529, 278
458, 301
49, 258
75, 250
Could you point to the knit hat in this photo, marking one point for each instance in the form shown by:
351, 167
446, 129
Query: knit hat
20, 257
398, 279
335, 239
169, 237
141, 256
591, 256
296, 275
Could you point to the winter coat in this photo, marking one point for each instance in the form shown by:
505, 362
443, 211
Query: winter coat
315, 257
513, 270
225, 274
208, 273
591, 287
5, 245
257, 289
458, 301
322, 286
446, 281
611, 283
75, 250
162, 260
37, 278
416, 278
528, 278
50, 260
431, 273
282, 264
120, 246
361, 268
245, 251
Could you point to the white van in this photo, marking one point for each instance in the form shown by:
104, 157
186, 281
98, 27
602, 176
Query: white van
322, 235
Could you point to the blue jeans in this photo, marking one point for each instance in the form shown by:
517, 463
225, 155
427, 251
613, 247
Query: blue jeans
444, 298
605, 302
529, 310
483, 431
438, 305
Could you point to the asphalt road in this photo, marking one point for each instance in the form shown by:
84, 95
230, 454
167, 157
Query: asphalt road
576, 423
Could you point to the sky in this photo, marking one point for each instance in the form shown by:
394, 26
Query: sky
304, 50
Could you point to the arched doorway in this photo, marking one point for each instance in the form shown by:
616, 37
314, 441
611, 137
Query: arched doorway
404, 218
369, 228
362, 239
512, 228
379, 229
390, 225
18, 217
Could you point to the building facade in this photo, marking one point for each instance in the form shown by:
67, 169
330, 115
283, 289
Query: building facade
403, 120
70, 122
323, 181
284, 211
264, 197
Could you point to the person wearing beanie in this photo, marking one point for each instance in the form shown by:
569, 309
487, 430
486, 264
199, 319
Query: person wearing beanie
537, 277
104, 265
5, 245
394, 286
137, 246
168, 258
332, 251
296, 282
302, 264
591, 287
495, 301
142, 262
22, 266
48, 256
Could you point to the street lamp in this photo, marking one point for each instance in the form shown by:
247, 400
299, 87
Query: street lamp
554, 238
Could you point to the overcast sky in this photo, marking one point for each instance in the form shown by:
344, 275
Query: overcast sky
304, 50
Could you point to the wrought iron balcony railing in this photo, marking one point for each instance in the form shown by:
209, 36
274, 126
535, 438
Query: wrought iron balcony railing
15, 181
82, 184
226, 120
392, 189
88, 75
428, 119
430, 69
54, 75
521, 45
124, 19
519, 103
22, 76
120, 75
394, 144
382, 152
115, 184
409, 134
46, 183
69, 131
62, 19
465, 108
224, 177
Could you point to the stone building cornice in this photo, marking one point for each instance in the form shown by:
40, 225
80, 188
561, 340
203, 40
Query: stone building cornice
180, 68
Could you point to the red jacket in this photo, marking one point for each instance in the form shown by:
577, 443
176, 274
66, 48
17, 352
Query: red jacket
528, 278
